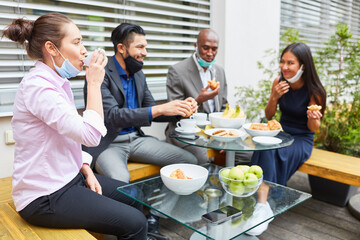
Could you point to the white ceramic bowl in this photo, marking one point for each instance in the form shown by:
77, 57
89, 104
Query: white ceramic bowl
198, 174
209, 132
254, 133
247, 190
218, 121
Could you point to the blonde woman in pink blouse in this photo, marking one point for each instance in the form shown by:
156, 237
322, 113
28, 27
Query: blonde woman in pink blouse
53, 185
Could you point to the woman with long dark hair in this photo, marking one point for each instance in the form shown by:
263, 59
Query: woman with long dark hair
294, 90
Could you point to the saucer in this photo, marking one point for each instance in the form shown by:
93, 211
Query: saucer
183, 131
266, 140
203, 124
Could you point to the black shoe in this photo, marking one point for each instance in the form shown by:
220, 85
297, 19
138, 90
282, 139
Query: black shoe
153, 227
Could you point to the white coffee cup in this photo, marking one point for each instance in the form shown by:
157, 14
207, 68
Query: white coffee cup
186, 124
87, 60
199, 117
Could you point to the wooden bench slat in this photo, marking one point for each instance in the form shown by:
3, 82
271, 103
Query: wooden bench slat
13, 226
334, 166
55, 233
142, 170
5, 190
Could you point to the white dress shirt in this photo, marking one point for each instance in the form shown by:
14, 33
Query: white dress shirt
206, 76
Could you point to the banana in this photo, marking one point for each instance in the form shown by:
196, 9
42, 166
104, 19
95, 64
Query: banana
237, 113
225, 113
229, 111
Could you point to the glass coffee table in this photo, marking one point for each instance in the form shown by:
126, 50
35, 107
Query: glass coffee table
188, 210
244, 143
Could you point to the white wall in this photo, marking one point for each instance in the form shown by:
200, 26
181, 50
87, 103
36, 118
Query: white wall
6, 151
246, 28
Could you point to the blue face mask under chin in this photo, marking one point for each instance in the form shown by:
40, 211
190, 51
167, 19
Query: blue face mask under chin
67, 70
202, 62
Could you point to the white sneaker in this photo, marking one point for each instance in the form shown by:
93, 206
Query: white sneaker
262, 212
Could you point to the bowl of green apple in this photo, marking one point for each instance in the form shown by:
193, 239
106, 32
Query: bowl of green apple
241, 180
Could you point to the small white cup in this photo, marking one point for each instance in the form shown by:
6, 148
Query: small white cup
87, 60
199, 117
186, 124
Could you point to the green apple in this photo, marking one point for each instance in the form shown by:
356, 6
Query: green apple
225, 174
257, 170
250, 180
248, 190
244, 168
236, 173
237, 188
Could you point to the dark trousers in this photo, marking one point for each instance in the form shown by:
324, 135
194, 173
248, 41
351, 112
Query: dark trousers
76, 206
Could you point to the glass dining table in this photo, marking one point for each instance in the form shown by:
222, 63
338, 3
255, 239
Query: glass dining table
243, 143
189, 209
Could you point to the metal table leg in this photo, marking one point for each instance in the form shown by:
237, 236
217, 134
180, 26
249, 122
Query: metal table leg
230, 158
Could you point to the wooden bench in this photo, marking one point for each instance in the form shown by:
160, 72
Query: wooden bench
142, 170
333, 166
12, 226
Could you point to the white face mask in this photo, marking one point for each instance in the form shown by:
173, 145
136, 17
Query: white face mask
297, 75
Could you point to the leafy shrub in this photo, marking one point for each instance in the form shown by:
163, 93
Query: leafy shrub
338, 65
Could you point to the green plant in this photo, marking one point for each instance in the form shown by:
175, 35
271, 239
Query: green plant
255, 99
338, 65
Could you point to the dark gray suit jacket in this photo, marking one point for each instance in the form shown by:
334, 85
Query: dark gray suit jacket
116, 115
183, 81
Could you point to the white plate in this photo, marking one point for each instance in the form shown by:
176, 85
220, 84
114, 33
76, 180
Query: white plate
222, 139
265, 140
203, 124
183, 131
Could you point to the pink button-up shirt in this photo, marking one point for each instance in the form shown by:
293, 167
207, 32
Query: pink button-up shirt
48, 132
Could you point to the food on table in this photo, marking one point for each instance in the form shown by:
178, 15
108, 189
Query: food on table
270, 126
208, 127
241, 179
274, 125
221, 133
259, 126
228, 111
232, 113
213, 84
233, 133
314, 107
179, 174
225, 133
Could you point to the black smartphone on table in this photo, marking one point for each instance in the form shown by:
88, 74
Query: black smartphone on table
222, 214
185, 137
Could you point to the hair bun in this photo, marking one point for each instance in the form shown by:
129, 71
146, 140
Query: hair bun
19, 30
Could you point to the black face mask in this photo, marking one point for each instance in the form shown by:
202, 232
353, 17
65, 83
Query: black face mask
132, 65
